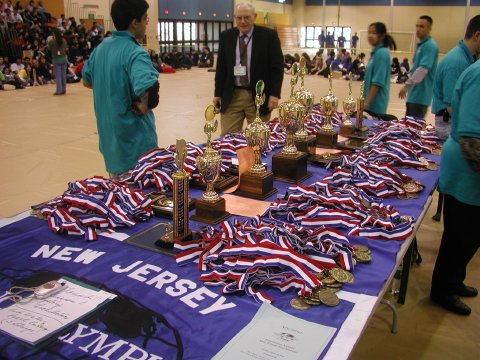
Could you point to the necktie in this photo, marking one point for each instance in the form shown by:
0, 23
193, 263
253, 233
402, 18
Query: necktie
243, 59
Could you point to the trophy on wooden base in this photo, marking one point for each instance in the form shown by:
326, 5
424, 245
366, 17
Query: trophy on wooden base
327, 136
257, 183
181, 229
303, 141
359, 127
349, 104
290, 165
210, 208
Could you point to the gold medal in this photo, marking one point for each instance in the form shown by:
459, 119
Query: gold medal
361, 248
341, 275
362, 257
299, 304
328, 298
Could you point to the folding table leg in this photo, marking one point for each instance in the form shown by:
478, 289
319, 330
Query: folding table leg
394, 328
407, 260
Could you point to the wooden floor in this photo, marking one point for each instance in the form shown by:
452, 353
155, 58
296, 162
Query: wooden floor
47, 141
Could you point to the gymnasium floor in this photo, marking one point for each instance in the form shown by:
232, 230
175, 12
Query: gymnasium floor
47, 141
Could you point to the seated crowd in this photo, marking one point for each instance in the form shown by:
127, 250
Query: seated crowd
34, 28
341, 63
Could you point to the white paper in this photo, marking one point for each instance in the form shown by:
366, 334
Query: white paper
38, 319
273, 334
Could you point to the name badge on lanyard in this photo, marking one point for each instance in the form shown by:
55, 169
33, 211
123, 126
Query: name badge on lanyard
239, 70
58, 53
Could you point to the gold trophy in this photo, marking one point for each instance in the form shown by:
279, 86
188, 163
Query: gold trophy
210, 208
257, 182
303, 141
290, 165
349, 105
327, 135
359, 127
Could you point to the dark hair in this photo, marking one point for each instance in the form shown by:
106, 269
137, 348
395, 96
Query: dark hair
123, 12
395, 61
472, 27
58, 36
428, 18
387, 40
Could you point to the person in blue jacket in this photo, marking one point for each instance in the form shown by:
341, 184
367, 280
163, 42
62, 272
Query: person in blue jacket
377, 77
419, 85
460, 183
449, 70
125, 89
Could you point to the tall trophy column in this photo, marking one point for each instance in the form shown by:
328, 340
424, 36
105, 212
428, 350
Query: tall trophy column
257, 183
210, 208
327, 136
360, 129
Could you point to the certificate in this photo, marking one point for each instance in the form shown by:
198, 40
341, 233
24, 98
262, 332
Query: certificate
273, 334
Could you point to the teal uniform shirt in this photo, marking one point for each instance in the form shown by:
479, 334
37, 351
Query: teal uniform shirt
448, 72
457, 178
426, 56
120, 70
378, 73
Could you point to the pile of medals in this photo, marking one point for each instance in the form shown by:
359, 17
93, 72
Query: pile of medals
332, 280
94, 205
248, 256
344, 207
379, 180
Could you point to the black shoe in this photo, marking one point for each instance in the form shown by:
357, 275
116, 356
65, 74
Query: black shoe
467, 291
452, 303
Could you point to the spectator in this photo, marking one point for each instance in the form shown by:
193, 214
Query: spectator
193, 56
58, 49
395, 68
317, 63
206, 58
354, 44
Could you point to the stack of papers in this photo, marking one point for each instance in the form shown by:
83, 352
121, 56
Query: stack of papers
36, 321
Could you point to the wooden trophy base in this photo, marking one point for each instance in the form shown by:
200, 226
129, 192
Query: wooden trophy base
256, 186
307, 145
359, 135
290, 168
346, 129
210, 212
327, 138
157, 239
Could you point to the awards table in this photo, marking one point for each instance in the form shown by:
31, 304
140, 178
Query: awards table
162, 310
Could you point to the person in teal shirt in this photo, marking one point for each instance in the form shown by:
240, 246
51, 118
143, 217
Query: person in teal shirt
460, 183
125, 89
448, 71
377, 77
419, 85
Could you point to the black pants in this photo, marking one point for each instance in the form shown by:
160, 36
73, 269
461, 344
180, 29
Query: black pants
456, 250
416, 110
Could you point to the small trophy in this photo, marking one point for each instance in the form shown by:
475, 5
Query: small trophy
349, 104
359, 127
327, 135
257, 183
290, 165
180, 195
303, 141
210, 208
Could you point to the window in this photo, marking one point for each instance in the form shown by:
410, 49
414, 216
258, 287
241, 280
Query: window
186, 34
309, 35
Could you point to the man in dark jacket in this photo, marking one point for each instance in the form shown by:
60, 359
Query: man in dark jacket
246, 55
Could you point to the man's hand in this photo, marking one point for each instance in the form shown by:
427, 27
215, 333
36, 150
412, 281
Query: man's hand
403, 92
140, 106
217, 102
272, 102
